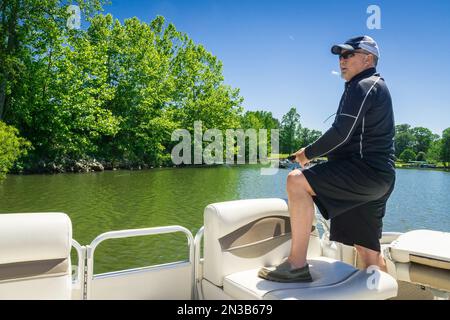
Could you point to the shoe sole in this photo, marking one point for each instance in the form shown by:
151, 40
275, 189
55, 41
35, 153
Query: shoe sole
288, 280
270, 278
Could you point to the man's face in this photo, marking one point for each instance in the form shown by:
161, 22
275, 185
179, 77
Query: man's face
352, 63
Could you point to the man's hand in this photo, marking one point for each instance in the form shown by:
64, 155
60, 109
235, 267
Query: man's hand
301, 157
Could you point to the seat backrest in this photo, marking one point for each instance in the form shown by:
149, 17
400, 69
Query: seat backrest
247, 234
35, 256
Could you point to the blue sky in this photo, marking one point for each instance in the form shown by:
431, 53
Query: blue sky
278, 52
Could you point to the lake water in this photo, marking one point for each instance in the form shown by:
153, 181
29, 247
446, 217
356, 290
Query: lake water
115, 200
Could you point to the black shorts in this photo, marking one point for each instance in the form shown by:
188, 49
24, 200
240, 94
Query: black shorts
353, 195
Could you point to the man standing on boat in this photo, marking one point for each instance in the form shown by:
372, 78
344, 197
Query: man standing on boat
352, 188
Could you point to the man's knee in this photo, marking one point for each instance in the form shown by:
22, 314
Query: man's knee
296, 182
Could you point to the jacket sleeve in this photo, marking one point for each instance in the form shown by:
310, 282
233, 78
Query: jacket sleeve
359, 100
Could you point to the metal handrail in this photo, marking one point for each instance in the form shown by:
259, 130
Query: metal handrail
197, 244
136, 233
81, 259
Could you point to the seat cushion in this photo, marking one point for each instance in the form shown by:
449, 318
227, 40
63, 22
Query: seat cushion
332, 279
424, 247
50, 288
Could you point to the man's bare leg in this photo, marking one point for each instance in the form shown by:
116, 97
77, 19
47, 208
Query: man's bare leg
371, 258
301, 211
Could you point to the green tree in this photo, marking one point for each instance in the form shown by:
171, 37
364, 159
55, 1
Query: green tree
114, 91
137, 56
260, 120
33, 42
11, 148
63, 111
201, 93
434, 152
29, 30
408, 155
308, 136
404, 139
400, 128
164, 81
445, 149
423, 138
421, 156
290, 127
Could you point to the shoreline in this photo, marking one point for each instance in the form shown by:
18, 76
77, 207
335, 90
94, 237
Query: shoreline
97, 168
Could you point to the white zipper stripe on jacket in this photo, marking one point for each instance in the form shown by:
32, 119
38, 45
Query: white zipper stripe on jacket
356, 119
344, 114
361, 137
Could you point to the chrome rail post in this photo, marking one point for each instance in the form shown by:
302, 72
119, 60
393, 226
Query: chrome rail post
198, 292
79, 281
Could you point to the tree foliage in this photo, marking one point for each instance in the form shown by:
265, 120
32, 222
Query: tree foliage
11, 148
293, 136
417, 139
433, 154
404, 139
423, 138
113, 91
408, 155
308, 136
116, 91
421, 156
290, 128
445, 148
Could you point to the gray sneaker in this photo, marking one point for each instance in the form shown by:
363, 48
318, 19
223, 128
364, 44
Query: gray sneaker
285, 273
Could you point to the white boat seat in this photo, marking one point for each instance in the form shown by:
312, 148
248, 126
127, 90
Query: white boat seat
242, 236
245, 234
332, 279
422, 257
35, 256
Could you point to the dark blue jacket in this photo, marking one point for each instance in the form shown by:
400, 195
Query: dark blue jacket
364, 125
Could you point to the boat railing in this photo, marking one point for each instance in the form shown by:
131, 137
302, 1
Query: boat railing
198, 295
89, 250
78, 278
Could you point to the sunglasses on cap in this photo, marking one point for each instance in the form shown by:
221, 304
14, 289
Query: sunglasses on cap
350, 54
